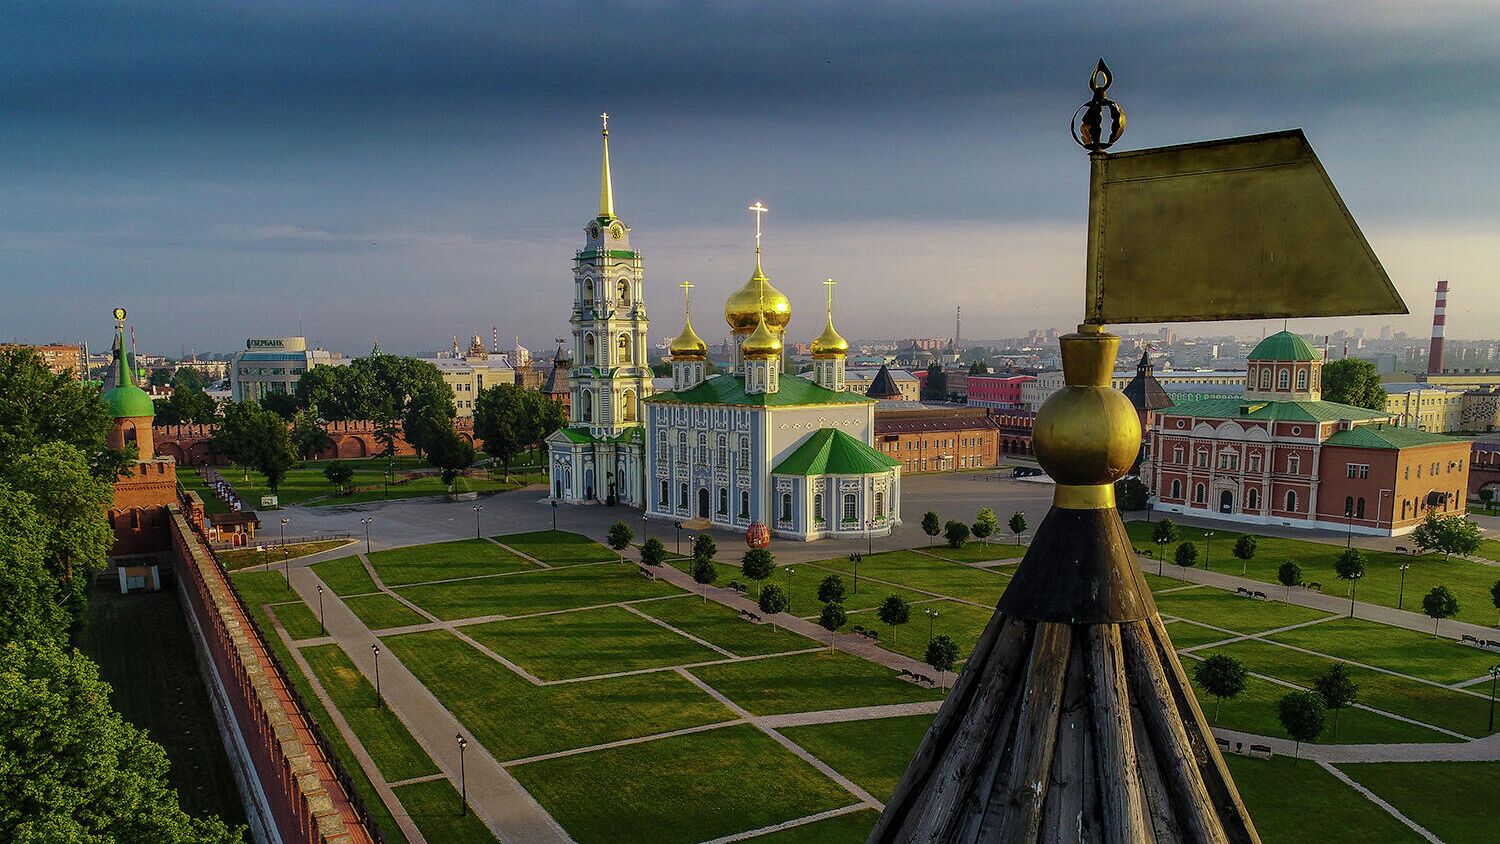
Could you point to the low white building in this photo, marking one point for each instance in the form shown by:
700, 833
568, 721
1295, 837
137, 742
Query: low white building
272, 365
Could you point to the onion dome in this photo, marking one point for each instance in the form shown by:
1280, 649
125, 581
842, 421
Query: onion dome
757, 298
829, 343
126, 400
688, 345
762, 342
1283, 345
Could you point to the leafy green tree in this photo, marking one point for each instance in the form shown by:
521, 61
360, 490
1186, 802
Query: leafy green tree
189, 403
1495, 594
1222, 676
257, 438
74, 769
1302, 715
831, 619
620, 535
1186, 555
942, 653
1244, 548
1017, 525
389, 388
309, 436
931, 526
895, 611
758, 564
31, 607
450, 453
1448, 534
704, 547
510, 420
985, 523
1439, 604
1165, 532
1350, 567
160, 377
704, 573
956, 532
653, 553
935, 386
979, 367
1487, 497
1131, 494
71, 502
831, 590
1353, 381
1337, 689
281, 404
339, 474
773, 599
39, 406
1289, 574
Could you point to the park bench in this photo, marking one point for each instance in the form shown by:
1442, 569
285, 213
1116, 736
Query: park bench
1262, 596
750, 615
1243, 591
1261, 750
1401, 549
1223, 744
645, 572
1148, 552
1314, 586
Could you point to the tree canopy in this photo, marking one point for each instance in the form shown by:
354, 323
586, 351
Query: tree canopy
510, 419
1017, 524
1353, 381
450, 453
382, 387
1439, 604
930, 524
831, 590
39, 406
895, 611
1186, 555
1337, 689
942, 653
1302, 715
189, 403
255, 437
71, 502
1165, 532
956, 532
935, 386
1447, 534
985, 523
1222, 676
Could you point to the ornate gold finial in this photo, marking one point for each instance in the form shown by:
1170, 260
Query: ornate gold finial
829, 283
1088, 131
687, 303
688, 345
119, 314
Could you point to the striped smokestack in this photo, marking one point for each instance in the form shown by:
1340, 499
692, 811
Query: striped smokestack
1439, 318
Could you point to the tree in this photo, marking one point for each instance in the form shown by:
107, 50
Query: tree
1350, 567
1448, 534
398, 390
309, 435
450, 453
1017, 524
281, 404
1165, 532
1487, 497
894, 610
1302, 715
38, 406
985, 523
831, 619
339, 474
935, 385
1186, 555
979, 367
931, 526
1131, 494
1439, 604
704, 572
510, 420
1353, 381
773, 599
71, 502
189, 403
256, 438
704, 547
1244, 548
942, 653
1289, 575
1222, 676
956, 532
653, 552
620, 535
758, 564
1337, 689
1495, 594
75, 770
30, 604
831, 590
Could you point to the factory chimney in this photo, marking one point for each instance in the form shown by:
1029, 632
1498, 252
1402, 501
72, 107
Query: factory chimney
1439, 318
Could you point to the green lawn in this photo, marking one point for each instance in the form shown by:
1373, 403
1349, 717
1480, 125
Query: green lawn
444, 561
259, 588
1235, 612
158, 687
189, 479
244, 558
345, 576
382, 612
298, 619
434, 808
978, 552
1186, 634
962, 622
515, 719
1448, 798
1157, 584
804, 583
309, 486
874, 754
1418, 654
1470, 581
1297, 802
680, 790
584, 643
536, 592
385, 738
809, 682
1489, 549
850, 828
558, 547
919, 571
723, 626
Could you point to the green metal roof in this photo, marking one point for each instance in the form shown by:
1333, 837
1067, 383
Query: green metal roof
1274, 411
636, 434
832, 452
126, 400
577, 435
1283, 345
730, 389
1390, 437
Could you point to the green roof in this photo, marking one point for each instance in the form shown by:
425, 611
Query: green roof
1283, 345
1274, 411
832, 452
577, 435
635, 434
126, 400
607, 253
1387, 437
730, 389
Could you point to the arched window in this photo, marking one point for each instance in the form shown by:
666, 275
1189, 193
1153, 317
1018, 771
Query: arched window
1283, 379
682, 496
722, 457
703, 449
588, 349
879, 505
666, 498
1301, 379
1177, 489
851, 511
623, 289
744, 452
786, 506
622, 347
1200, 494
1291, 501
744, 504
1359, 509
818, 507
723, 501
1252, 499
1294, 464
1348, 505
588, 291
586, 412
627, 406
1265, 378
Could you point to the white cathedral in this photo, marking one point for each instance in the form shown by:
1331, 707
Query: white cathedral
728, 449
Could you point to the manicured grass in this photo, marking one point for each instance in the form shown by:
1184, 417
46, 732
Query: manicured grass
1186, 634
259, 588
1462, 713
1254, 711
159, 689
874, 754
434, 808
382, 612
1297, 802
1470, 581
309, 486
536, 592
558, 547
515, 719
189, 479
723, 626
1489, 549
345, 576
681, 789
244, 558
385, 738
369, 487
444, 561
299, 621
919, 571
962, 622
804, 586
1406, 651
850, 828
584, 643
808, 682
1226, 609
978, 552
1444, 797
1156, 584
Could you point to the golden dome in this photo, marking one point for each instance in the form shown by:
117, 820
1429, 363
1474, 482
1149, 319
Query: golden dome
762, 342
688, 345
829, 343
745, 306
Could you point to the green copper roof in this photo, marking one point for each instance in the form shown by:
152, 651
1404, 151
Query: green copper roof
577, 435
831, 452
1389, 437
1274, 411
636, 434
730, 389
1283, 345
126, 400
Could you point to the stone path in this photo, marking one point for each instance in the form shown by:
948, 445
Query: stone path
1376, 799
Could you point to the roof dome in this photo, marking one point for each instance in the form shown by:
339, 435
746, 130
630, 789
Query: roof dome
129, 401
1283, 345
762, 342
745, 306
688, 344
829, 343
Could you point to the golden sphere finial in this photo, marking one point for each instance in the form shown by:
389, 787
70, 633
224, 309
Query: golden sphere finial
1088, 433
1088, 121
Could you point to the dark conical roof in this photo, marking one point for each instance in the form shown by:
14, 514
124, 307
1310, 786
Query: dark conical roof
884, 386
1144, 391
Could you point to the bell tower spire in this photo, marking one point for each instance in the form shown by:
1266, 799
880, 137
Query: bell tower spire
606, 190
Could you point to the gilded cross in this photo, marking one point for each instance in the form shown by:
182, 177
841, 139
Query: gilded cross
758, 209
829, 283
687, 305
604, 116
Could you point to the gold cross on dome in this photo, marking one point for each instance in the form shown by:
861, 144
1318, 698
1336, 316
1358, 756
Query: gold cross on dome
604, 116
829, 283
687, 305
758, 209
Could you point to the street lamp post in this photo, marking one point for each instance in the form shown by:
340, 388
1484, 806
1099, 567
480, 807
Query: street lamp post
554, 514
286, 566
1401, 595
322, 628
1353, 584
678, 525
869, 534
366, 522
463, 779
854, 558
379, 701
478, 508
1208, 547
789, 572
931, 615
1494, 675
1349, 523
1161, 555
284, 522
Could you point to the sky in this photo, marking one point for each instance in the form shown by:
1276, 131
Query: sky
409, 172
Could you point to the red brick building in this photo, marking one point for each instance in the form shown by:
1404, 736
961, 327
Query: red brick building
1001, 392
940, 440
